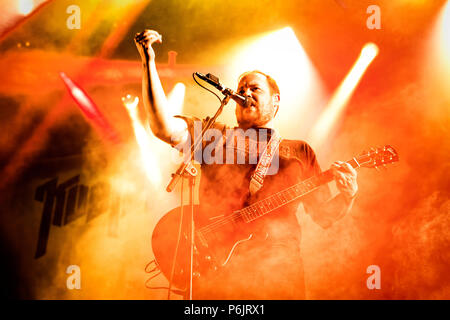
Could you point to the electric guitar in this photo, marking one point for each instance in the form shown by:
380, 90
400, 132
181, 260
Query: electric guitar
215, 242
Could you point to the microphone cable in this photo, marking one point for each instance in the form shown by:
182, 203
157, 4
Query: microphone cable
193, 76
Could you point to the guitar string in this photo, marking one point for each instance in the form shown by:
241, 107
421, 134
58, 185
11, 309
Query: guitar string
215, 225
225, 220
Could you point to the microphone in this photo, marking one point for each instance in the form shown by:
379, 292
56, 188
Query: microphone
214, 81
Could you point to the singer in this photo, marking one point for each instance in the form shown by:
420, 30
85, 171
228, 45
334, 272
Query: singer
267, 264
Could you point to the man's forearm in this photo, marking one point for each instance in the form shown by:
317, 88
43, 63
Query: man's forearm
154, 100
165, 127
334, 209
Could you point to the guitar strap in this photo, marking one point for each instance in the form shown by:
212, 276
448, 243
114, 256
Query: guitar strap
264, 162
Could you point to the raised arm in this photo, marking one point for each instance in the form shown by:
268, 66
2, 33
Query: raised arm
165, 127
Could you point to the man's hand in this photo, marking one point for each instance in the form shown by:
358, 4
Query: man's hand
345, 177
144, 41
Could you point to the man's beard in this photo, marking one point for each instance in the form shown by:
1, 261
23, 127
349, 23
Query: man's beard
260, 119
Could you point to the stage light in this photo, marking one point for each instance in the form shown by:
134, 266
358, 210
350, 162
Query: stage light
446, 28
148, 159
25, 6
90, 109
342, 95
82, 99
443, 37
437, 66
176, 99
369, 52
280, 55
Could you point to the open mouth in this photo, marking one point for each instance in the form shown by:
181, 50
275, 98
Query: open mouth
250, 104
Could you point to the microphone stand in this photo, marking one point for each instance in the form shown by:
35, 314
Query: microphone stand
187, 170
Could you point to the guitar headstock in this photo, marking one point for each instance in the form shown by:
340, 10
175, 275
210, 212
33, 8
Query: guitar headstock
377, 157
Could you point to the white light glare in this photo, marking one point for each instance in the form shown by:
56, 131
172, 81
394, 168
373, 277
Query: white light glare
342, 95
149, 161
25, 6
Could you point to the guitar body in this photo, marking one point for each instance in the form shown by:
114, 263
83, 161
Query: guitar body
214, 247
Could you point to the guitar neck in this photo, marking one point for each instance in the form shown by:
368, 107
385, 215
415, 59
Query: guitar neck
371, 159
279, 199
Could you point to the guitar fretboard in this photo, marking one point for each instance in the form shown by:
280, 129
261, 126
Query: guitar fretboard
279, 199
372, 159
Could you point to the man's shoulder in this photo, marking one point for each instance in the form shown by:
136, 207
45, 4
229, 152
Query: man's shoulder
192, 121
298, 145
296, 148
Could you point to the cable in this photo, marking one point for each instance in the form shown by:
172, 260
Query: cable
155, 268
155, 275
153, 288
180, 229
193, 76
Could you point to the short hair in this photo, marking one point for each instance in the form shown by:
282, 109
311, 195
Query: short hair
272, 83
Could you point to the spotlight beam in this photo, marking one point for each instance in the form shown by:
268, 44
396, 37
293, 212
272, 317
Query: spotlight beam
281, 55
342, 95
21, 19
132, 12
90, 109
175, 99
148, 159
